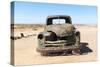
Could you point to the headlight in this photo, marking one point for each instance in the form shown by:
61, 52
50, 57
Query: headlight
40, 36
43, 34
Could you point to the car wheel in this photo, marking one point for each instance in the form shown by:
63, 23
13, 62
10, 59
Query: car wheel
45, 54
77, 40
76, 51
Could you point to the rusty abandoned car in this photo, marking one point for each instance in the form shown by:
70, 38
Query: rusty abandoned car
59, 36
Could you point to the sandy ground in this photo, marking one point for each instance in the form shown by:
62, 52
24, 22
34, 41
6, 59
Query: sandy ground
25, 48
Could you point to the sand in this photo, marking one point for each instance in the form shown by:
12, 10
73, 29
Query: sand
26, 54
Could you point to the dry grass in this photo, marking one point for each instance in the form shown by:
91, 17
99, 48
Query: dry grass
26, 26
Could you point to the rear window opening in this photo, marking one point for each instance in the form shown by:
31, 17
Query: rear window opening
59, 21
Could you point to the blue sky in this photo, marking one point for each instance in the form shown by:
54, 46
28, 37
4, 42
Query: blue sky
36, 13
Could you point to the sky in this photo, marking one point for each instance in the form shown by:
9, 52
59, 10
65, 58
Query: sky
36, 13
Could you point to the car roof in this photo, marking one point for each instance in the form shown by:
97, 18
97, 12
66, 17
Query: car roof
55, 16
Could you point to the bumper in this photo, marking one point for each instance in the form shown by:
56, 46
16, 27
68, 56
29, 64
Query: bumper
56, 49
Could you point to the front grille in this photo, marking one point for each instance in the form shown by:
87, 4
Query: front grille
56, 42
51, 38
63, 38
53, 45
61, 41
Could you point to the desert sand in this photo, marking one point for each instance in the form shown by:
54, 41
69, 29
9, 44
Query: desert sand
26, 54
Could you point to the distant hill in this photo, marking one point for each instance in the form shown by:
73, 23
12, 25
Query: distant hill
35, 26
25, 26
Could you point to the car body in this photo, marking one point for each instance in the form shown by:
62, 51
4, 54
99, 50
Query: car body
59, 36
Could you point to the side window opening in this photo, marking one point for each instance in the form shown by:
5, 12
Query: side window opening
68, 20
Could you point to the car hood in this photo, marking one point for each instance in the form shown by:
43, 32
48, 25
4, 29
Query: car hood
61, 29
